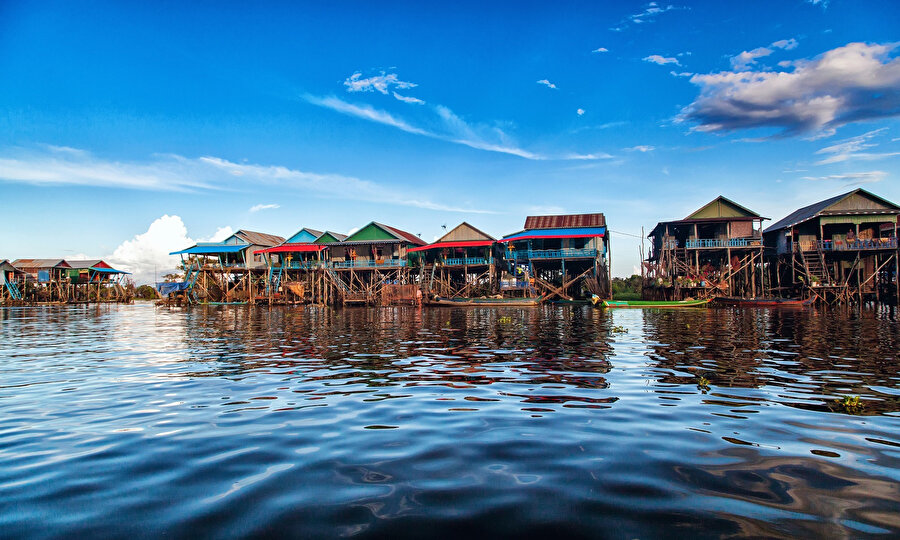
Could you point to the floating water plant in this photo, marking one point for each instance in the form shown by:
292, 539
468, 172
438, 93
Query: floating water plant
703, 383
619, 330
505, 320
850, 404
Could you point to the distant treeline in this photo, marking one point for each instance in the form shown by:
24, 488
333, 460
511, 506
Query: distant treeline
627, 288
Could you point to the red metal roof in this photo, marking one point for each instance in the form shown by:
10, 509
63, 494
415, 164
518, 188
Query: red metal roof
411, 238
565, 221
292, 248
441, 245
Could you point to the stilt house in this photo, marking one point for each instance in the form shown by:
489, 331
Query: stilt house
564, 256
716, 250
838, 250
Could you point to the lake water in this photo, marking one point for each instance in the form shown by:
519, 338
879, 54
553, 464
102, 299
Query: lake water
236, 421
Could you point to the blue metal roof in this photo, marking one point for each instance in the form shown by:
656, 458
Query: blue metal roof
207, 249
558, 233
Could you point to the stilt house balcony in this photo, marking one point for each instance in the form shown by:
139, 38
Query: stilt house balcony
712, 243
304, 265
370, 263
846, 245
469, 261
530, 254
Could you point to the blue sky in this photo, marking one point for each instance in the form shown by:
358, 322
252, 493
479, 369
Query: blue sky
128, 130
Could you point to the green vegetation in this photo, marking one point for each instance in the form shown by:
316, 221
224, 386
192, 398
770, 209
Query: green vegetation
703, 384
850, 404
627, 288
145, 292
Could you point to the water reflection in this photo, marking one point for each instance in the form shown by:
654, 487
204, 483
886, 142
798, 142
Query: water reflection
236, 421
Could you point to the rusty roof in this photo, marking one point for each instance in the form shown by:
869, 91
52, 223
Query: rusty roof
40, 263
258, 238
565, 221
403, 235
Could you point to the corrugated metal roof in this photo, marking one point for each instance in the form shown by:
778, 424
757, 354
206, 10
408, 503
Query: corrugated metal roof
7, 266
40, 263
210, 249
727, 201
292, 248
363, 242
258, 238
565, 221
811, 211
402, 235
84, 263
464, 232
462, 243
572, 232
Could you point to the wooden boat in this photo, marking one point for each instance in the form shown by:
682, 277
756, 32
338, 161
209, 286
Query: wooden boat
762, 302
654, 303
513, 302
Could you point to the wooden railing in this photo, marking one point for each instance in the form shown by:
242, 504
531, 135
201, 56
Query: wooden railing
468, 261
552, 254
370, 263
846, 245
722, 243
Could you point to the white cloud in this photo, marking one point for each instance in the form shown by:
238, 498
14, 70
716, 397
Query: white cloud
589, 157
449, 127
744, 59
168, 172
852, 83
547, 83
146, 255
385, 83
408, 99
258, 207
853, 179
681, 74
363, 111
641, 148
580, 112
53, 165
851, 149
221, 234
600, 50
649, 14
661, 60
747, 58
786, 44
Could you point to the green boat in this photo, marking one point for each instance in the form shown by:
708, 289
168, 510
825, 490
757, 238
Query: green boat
654, 303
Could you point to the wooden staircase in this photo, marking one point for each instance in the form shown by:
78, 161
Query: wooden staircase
814, 264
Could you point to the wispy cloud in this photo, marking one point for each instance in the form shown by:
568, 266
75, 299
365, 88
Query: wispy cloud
681, 74
258, 207
57, 166
661, 60
852, 149
641, 148
649, 14
747, 58
600, 50
365, 112
46, 167
408, 99
384, 83
853, 83
852, 179
580, 112
547, 83
448, 126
